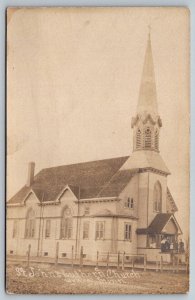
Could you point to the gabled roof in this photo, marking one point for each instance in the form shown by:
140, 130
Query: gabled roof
100, 178
158, 223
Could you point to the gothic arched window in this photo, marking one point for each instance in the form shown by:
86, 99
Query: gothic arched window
66, 223
30, 224
157, 197
156, 140
147, 138
138, 139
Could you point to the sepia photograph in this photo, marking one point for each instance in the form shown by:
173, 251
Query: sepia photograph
98, 125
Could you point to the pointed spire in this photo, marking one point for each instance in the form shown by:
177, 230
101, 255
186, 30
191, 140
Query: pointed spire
147, 95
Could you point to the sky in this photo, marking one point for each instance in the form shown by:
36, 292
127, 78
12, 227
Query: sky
73, 78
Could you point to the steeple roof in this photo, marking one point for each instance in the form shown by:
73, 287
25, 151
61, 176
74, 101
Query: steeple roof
145, 159
147, 102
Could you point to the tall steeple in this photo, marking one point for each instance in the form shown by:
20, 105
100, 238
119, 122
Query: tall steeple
147, 95
147, 122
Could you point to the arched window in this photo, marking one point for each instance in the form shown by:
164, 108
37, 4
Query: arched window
66, 223
157, 197
30, 224
156, 140
138, 139
147, 138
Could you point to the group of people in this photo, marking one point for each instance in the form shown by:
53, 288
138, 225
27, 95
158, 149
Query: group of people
167, 245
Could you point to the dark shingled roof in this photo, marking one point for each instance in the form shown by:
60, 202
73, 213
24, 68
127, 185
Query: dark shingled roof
100, 178
157, 225
117, 183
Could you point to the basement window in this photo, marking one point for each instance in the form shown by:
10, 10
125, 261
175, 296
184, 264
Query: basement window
45, 253
64, 254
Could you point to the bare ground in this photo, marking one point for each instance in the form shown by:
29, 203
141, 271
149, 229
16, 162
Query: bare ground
63, 280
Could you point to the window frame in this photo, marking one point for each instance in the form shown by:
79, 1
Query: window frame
15, 229
100, 230
86, 230
157, 199
30, 225
130, 203
66, 228
127, 232
47, 230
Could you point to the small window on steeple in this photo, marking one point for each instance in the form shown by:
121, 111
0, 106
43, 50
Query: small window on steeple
156, 140
147, 138
138, 139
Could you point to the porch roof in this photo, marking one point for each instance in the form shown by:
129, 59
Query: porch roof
158, 223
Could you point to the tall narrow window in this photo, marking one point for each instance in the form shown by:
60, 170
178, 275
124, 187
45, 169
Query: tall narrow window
156, 140
66, 224
99, 233
30, 224
15, 229
138, 139
127, 232
147, 138
47, 228
85, 230
157, 197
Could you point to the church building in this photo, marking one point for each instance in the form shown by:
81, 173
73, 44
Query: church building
110, 205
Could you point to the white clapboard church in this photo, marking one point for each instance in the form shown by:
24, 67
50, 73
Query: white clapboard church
110, 205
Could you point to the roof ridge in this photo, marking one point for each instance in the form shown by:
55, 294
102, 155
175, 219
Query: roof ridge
85, 162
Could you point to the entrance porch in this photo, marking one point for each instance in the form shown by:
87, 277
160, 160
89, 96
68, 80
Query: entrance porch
161, 238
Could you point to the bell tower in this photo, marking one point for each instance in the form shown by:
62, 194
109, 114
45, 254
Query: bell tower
146, 124
145, 162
